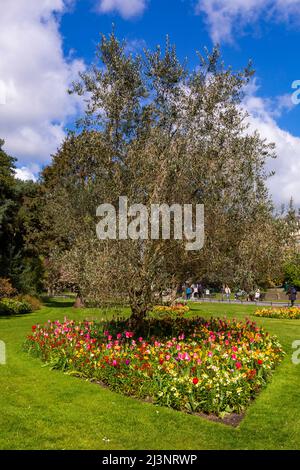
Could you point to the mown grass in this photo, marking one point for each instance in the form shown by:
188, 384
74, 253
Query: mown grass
46, 409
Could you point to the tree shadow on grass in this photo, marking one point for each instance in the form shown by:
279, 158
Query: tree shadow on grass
8, 316
57, 303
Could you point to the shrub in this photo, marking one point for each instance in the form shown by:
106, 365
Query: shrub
6, 289
14, 307
292, 272
34, 302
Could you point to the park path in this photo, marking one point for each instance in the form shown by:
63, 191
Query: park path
245, 302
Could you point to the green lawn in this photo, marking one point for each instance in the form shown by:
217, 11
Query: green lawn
44, 409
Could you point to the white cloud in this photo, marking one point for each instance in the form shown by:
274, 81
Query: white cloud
225, 18
26, 174
134, 46
34, 76
281, 104
126, 8
285, 183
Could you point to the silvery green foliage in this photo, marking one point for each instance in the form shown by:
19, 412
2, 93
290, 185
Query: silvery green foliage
157, 132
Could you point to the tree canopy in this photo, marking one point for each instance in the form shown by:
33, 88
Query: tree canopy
157, 132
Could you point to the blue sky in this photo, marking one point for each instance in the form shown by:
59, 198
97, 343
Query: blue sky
44, 44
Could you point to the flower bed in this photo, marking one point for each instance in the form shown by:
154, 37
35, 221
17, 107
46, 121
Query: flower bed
214, 366
289, 313
178, 309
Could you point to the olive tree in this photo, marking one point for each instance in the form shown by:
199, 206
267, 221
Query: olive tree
158, 133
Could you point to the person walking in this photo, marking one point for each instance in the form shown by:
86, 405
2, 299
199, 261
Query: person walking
257, 295
188, 292
195, 291
223, 292
200, 290
227, 292
292, 293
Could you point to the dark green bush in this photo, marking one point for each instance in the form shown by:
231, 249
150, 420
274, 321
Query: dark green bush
14, 307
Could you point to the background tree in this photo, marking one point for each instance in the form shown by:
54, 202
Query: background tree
7, 205
292, 271
19, 259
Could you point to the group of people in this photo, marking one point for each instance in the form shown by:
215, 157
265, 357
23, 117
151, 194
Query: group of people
193, 291
196, 290
226, 292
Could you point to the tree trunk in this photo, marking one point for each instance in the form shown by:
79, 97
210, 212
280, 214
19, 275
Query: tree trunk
138, 314
139, 300
79, 303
